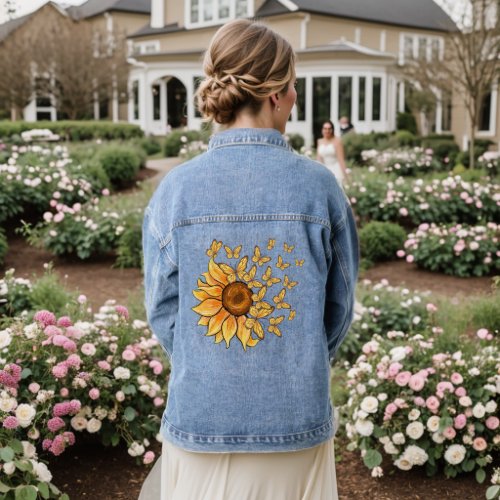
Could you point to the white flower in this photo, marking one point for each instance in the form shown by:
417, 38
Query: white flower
467, 440
414, 414
25, 414
433, 423
9, 468
384, 439
7, 404
479, 410
403, 463
29, 450
474, 372
415, 430
364, 427
5, 338
94, 425
377, 472
79, 423
121, 372
369, 404
34, 433
136, 449
390, 449
120, 396
490, 407
455, 454
399, 438
361, 388
397, 353
382, 396
465, 401
41, 471
415, 455
438, 438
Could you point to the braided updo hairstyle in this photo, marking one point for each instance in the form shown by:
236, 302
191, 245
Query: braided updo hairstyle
245, 63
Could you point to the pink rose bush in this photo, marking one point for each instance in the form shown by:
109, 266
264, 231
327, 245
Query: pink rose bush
458, 249
424, 406
62, 377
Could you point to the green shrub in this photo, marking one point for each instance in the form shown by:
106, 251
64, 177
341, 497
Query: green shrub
176, 139
354, 144
406, 121
49, 293
94, 172
405, 138
129, 249
120, 163
3, 246
443, 147
150, 145
296, 141
75, 130
486, 312
380, 241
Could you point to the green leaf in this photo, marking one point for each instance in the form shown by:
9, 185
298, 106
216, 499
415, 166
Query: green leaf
115, 439
4, 488
372, 459
468, 465
7, 454
492, 492
480, 476
24, 465
129, 389
26, 493
16, 445
129, 414
64, 497
43, 488
26, 373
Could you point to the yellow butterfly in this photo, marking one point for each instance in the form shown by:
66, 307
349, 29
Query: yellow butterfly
253, 324
288, 248
281, 264
268, 279
270, 244
261, 312
214, 248
291, 315
273, 328
299, 263
233, 254
289, 284
257, 257
278, 300
257, 297
251, 274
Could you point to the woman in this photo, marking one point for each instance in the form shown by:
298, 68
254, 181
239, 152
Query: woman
331, 152
250, 263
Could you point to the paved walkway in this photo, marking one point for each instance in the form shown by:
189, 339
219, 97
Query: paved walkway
162, 166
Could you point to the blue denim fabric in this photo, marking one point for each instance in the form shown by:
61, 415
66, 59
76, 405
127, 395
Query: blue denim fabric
249, 372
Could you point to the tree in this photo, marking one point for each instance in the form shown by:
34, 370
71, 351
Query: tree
469, 64
10, 8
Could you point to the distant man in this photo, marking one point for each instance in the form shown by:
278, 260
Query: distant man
345, 126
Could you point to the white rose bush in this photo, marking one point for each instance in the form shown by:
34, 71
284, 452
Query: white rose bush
63, 378
420, 405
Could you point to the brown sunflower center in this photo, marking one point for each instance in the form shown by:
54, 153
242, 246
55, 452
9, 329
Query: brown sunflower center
237, 298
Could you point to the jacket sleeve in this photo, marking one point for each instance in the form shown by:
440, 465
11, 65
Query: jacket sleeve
161, 285
341, 282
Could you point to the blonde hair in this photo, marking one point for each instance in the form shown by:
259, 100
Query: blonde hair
245, 63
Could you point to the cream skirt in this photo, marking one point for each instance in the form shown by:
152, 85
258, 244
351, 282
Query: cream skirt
299, 475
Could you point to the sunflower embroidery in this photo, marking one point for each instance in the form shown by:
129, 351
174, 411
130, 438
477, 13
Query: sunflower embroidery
233, 301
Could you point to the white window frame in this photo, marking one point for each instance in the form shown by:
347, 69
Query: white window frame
216, 19
141, 48
493, 114
415, 37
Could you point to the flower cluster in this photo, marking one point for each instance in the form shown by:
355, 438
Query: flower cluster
458, 249
424, 407
406, 162
490, 162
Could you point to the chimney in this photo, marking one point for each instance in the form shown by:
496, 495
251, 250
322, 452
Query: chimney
157, 13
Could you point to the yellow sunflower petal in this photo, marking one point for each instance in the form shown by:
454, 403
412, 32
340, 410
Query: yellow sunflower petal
252, 342
227, 269
208, 307
216, 321
243, 332
204, 321
210, 280
216, 272
219, 338
229, 328
201, 295
213, 291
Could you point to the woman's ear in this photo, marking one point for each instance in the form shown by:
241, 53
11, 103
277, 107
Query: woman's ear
275, 100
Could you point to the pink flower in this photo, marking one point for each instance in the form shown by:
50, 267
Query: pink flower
69, 346
74, 360
460, 421
479, 444
460, 392
69, 437
64, 321
482, 333
59, 217
55, 423
94, 393
104, 365
419, 401
44, 317
73, 332
449, 433
400, 253
416, 383
64, 392
148, 458
82, 299
46, 444
34, 387
492, 423
431, 308
432, 403
393, 369
158, 401
59, 370
442, 387
52, 330
59, 340
403, 211
402, 378
122, 311
128, 355
105, 192
410, 258
156, 366
88, 349
10, 422
456, 378
74, 406
58, 445
61, 409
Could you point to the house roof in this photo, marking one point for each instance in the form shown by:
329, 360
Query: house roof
95, 7
346, 46
424, 14
148, 30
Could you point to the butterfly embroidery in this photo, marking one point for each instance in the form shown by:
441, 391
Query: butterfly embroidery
289, 284
268, 279
214, 248
279, 300
270, 244
288, 248
291, 316
233, 254
299, 263
273, 328
281, 264
258, 259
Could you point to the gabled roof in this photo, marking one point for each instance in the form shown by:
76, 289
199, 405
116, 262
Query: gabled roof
346, 46
424, 14
95, 7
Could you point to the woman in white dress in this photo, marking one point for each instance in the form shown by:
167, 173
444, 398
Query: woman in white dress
331, 152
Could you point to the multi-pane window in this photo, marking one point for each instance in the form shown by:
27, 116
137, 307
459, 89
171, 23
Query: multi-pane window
421, 47
135, 98
485, 114
156, 101
345, 96
377, 98
361, 98
446, 111
213, 11
322, 92
300, 87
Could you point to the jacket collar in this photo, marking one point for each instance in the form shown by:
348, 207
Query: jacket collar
233, 136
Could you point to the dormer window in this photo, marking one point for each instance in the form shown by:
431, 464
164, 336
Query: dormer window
210, 12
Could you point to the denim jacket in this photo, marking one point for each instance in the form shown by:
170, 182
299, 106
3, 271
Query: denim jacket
250, 261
